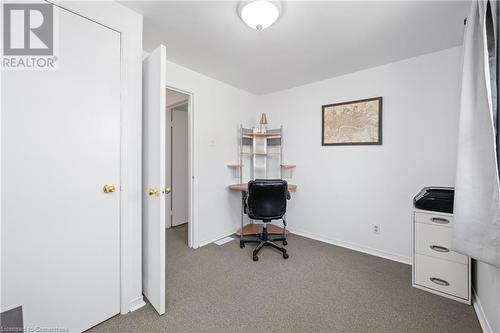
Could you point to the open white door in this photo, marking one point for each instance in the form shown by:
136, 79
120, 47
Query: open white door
154, 154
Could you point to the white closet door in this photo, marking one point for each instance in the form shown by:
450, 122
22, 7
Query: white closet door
155, 207
180, 181
60, 145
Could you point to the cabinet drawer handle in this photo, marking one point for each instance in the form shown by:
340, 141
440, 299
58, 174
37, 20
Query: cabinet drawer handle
439, 281
440, 220
438, 248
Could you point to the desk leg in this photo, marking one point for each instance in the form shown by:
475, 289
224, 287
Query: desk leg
242, 213
284, 230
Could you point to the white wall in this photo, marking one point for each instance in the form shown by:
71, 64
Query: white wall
486, 284
219, 109
344, 190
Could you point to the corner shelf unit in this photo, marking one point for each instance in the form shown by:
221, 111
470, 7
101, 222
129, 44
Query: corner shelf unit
262, 151
260, 156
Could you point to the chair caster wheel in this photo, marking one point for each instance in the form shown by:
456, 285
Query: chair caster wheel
255, 258
285, 255
285, 243
242, 245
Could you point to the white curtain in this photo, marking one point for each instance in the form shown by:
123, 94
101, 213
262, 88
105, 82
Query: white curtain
476, 230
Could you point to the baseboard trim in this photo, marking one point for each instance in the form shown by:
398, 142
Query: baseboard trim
355, 247
137, 304
481, 315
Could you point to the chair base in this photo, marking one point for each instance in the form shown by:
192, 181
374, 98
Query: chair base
271, 244
263, 241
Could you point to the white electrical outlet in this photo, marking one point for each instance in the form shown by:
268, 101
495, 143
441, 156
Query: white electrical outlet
376, 229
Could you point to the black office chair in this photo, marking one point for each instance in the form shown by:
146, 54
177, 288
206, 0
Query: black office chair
266, 201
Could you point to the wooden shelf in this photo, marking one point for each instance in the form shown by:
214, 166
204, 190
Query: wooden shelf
244, 187
255, 229
235, 166
269, 135
259, 154
288, 166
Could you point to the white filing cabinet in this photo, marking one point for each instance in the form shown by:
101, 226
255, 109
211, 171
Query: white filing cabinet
436, 268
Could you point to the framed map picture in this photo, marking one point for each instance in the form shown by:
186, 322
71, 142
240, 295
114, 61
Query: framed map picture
352, 123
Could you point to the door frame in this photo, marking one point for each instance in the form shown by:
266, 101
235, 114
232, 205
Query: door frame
191, 146
129, 24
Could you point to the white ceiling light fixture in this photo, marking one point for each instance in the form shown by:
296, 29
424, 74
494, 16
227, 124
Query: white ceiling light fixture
259, 14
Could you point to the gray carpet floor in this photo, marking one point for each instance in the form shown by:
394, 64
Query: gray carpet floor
320, 288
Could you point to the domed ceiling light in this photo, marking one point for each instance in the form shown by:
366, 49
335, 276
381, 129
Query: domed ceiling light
259, 14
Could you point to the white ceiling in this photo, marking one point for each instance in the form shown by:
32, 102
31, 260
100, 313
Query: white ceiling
310, 42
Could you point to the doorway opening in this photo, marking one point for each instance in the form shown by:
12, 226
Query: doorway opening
178, 108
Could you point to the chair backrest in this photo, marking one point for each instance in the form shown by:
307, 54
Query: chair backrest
267, 199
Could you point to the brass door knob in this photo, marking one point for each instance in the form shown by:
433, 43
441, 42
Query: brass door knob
153, 191
109, 188
168, 190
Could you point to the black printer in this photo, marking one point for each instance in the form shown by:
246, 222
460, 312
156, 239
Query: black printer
437, 199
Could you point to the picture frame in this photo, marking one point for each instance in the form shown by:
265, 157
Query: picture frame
352, 123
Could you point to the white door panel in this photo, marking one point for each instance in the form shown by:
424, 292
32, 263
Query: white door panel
180, 181
60, 145
154, 154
